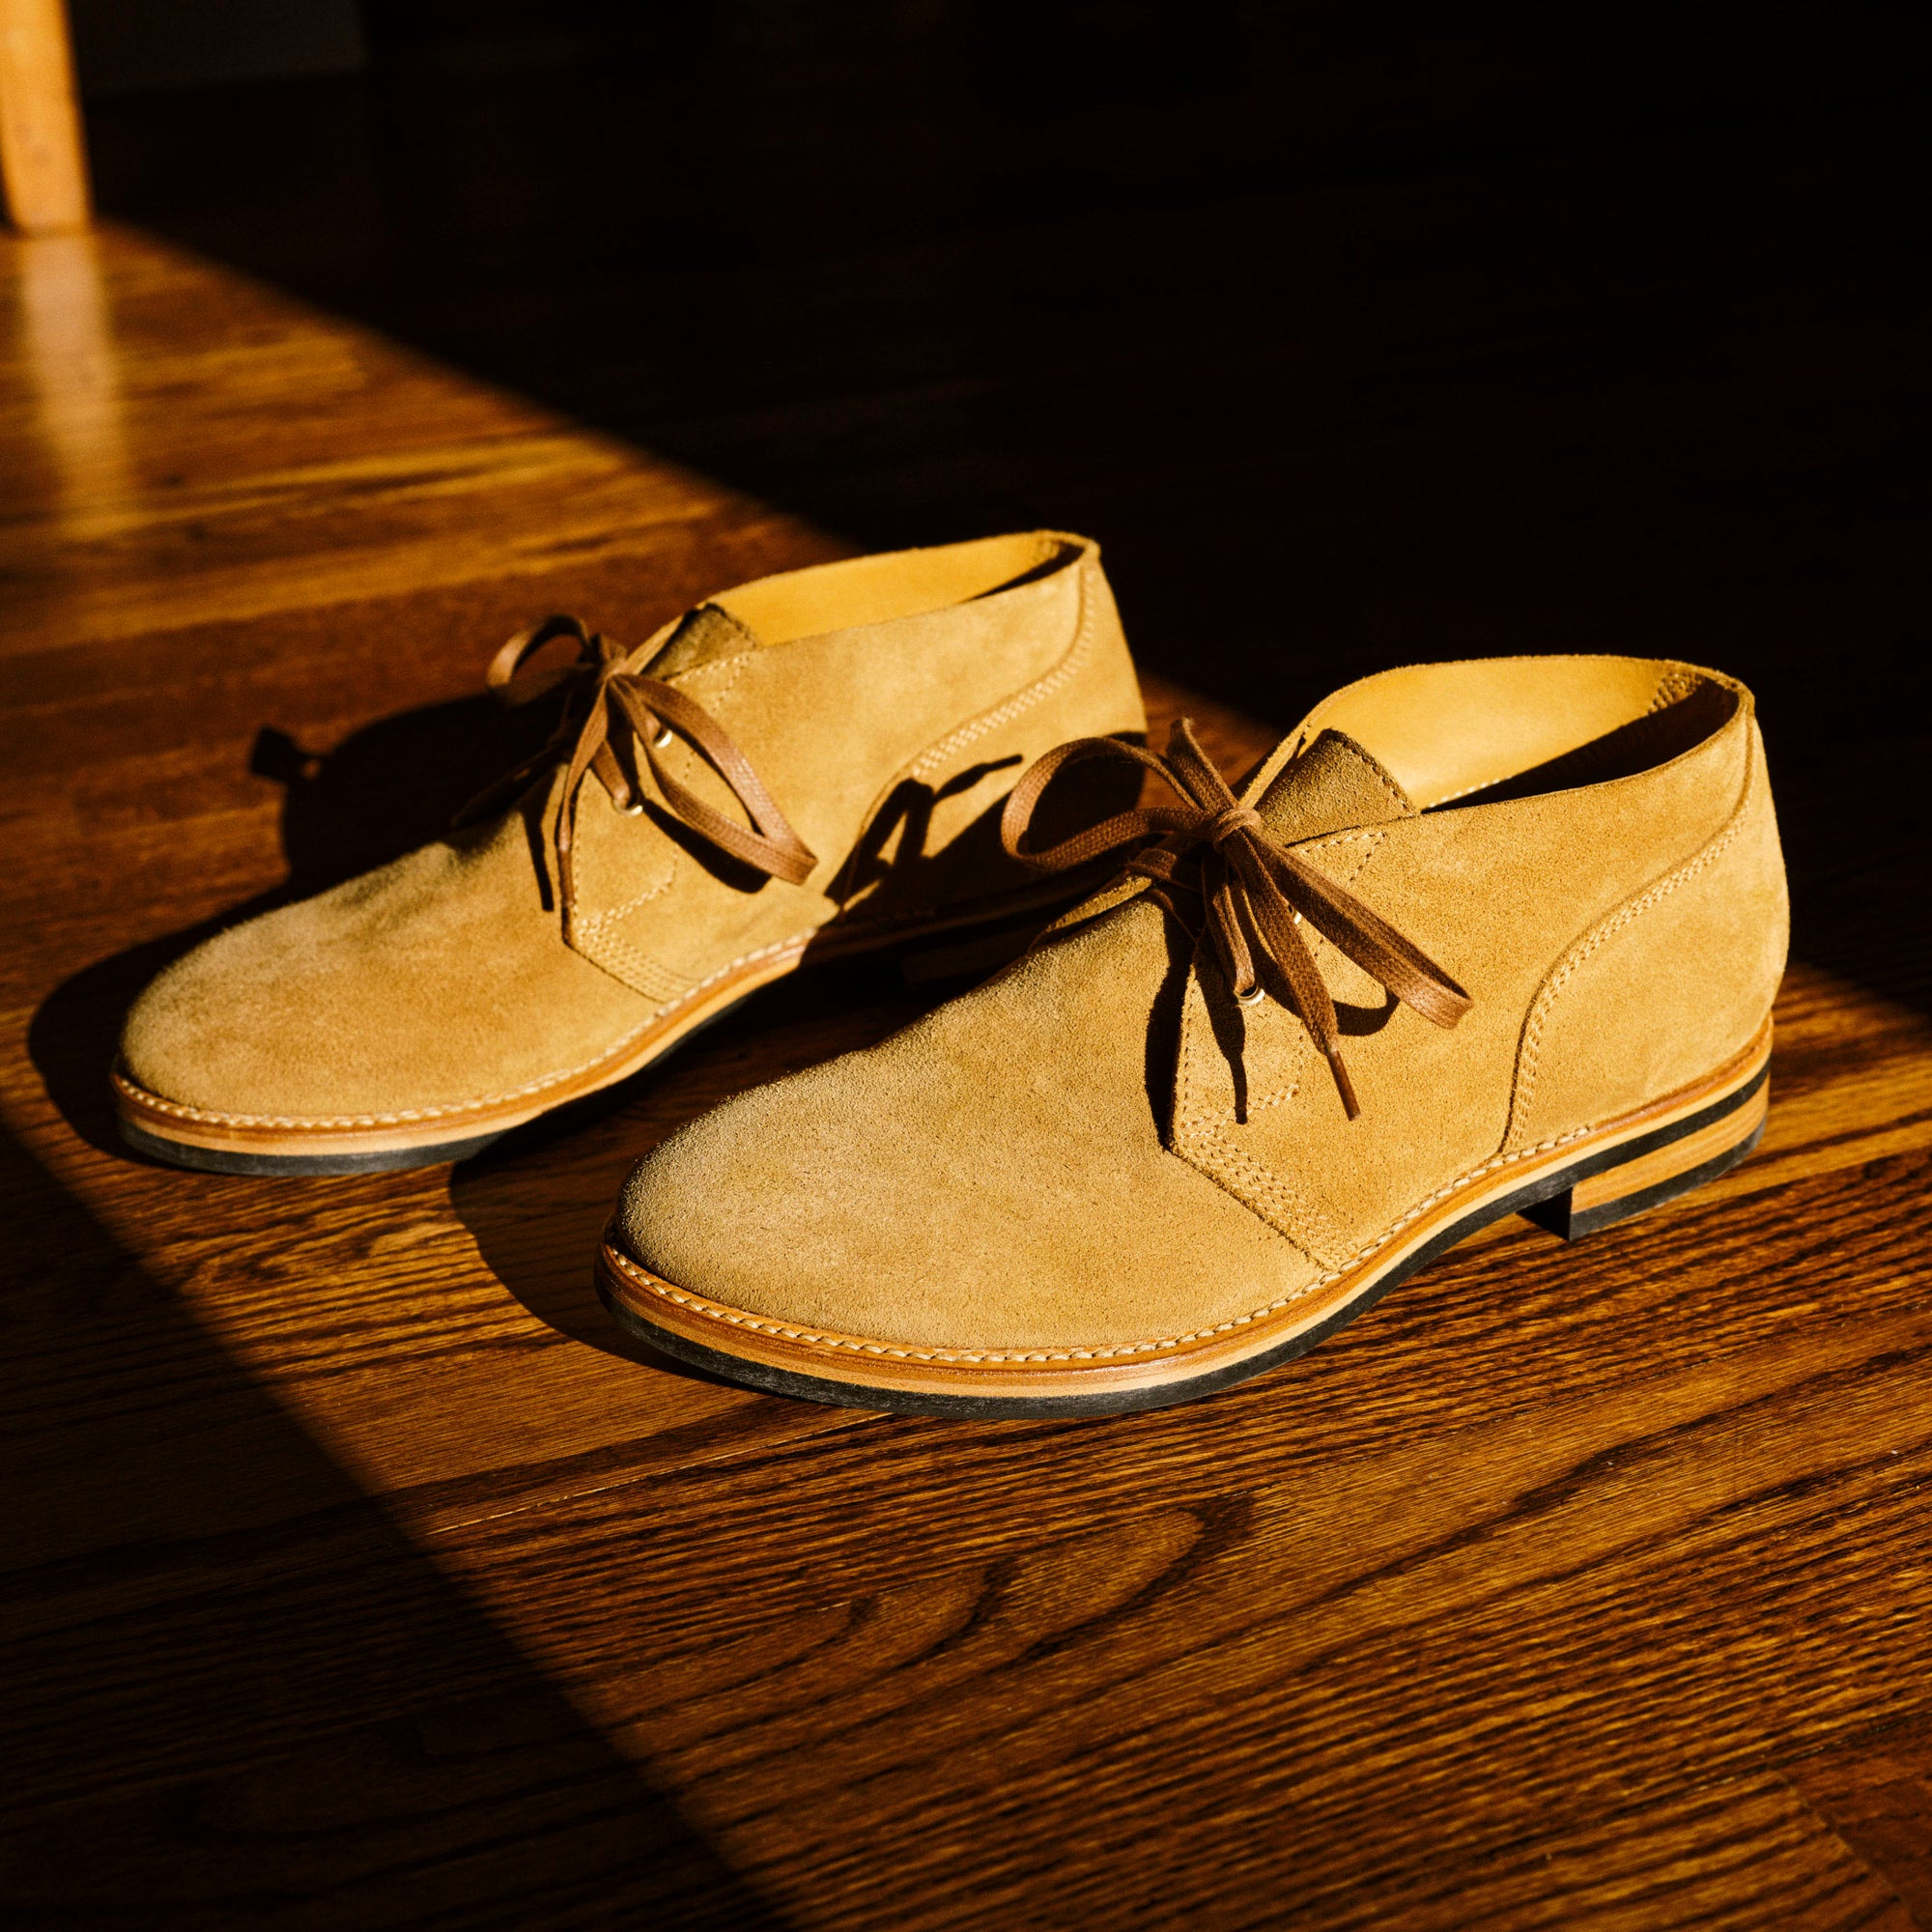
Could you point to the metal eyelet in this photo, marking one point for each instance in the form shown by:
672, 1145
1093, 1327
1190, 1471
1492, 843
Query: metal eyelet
663, 739
635, 809
1253, 997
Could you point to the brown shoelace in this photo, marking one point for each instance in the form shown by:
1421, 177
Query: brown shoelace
1256, 893
611, 702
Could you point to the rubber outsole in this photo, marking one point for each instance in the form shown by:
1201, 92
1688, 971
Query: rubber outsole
219, 1160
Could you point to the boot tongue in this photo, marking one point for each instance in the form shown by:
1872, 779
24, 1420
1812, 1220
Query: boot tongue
1334, 784
700, 635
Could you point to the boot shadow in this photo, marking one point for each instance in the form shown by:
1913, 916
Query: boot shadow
388, 787
536, 1204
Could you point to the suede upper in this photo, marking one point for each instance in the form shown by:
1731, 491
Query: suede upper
888, 703
1100, 1146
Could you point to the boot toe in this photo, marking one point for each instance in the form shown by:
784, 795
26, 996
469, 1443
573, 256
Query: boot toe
369, 1002
893, 1196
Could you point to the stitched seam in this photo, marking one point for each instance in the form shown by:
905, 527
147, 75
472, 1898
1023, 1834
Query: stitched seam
622, 958
638, 969
1012, 707
1316, 944
737, 1318
937, 755
598, 921
734, 663
1266, 1193
1450, 798
1380, 777
1281, 1095
186, 1113
1585, 948
1372, 834
594, 925
1671, 685
1288, 1214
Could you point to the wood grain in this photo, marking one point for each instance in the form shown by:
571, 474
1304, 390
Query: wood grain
357, 1570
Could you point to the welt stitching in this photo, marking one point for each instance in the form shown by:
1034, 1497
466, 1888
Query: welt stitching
186, 1113
598, 921
738, 1319
1012, 707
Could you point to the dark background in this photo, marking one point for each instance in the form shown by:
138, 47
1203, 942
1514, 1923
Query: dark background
1357, 336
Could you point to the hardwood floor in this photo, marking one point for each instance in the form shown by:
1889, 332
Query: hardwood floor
357, 1572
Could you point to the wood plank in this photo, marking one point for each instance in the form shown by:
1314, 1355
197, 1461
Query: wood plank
356, 1569
1876, 1791
159, 426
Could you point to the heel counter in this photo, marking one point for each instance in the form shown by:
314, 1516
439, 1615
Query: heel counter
1666, 987
1091, 692
941, 818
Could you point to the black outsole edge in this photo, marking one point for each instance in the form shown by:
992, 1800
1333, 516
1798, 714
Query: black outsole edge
1594, 1220
222, 1160
1170, 1395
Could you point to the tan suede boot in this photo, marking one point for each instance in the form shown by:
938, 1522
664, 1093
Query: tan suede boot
808, 765
1125, 1171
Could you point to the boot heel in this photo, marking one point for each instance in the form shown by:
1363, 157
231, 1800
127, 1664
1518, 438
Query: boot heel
1648, 1180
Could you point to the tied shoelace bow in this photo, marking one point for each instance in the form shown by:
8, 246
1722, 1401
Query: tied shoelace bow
1257, 894
611, 703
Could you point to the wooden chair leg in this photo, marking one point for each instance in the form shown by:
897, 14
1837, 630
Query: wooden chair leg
43, 165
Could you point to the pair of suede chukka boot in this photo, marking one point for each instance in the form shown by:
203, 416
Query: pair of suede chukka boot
1475, 939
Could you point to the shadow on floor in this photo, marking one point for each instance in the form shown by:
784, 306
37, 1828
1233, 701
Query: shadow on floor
234, 1690
537, 1202
391, 787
